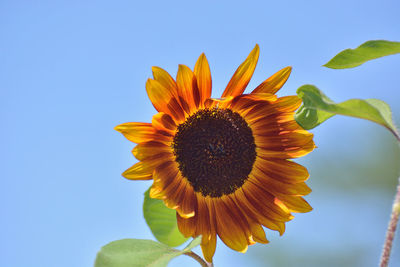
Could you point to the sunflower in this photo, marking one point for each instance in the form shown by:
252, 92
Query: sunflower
223, 164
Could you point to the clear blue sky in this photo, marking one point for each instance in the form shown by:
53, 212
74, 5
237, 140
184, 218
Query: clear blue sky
72, 70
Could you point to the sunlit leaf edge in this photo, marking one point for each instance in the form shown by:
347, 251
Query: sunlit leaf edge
350, 58
139, 252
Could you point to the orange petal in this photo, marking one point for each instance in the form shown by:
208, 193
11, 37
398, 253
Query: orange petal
207, 223
179, 195
163, 122
241, 219
284, 146
286, 104
203, 77
163, 99
241, 103
218, 102
249, 101
230, 227
274, 127
188, 204
188, 91
284, 140
164, 176
242, 75
186, 225
165, 173
259, 97
168, 82
274, 186
263, 201
176, 192
257, 232
285, 171
256, 213
203, 216
209, 242
275, 82
173, 193
287, 153
266, 116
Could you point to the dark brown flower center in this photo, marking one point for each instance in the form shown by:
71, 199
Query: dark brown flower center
215, 150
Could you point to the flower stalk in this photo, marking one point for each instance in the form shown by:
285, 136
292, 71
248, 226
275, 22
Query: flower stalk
394, 218
199, 259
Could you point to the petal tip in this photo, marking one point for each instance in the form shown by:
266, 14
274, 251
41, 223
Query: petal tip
155, 70
119, 128
244, 250
255, 53
126, 175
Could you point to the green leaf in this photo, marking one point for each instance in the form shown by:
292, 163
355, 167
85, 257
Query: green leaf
317, 108
162, 221
351, 58
138, 253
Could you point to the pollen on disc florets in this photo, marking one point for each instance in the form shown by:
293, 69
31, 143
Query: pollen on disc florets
215, 151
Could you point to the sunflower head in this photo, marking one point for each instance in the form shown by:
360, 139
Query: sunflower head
223, 164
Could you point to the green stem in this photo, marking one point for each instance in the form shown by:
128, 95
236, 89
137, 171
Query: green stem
199, 259
394, 218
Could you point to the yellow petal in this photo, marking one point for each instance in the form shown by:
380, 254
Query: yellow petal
275, 82
203, 76
156, 192
258, 232
144, 169
136, 131
243, 74
139, 171
165, 80
208, 247
295, 203
150, 149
